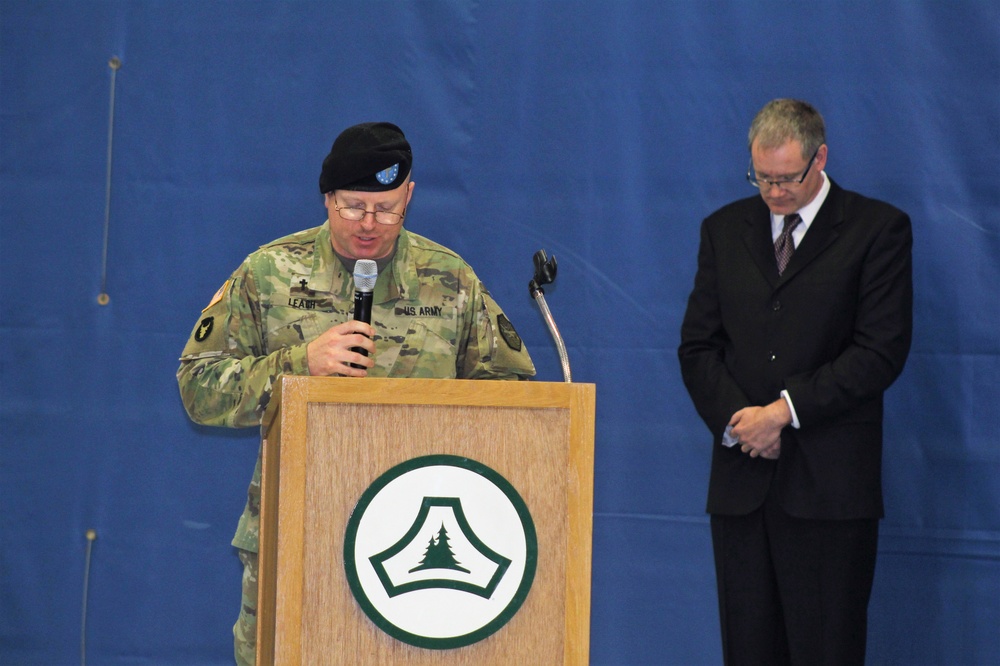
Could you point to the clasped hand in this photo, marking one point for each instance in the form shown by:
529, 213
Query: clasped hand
332, 352
759, 428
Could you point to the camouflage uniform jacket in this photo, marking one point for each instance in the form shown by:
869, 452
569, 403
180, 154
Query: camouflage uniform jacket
431, 314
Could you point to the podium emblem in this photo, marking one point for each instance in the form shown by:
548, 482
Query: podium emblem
440, 551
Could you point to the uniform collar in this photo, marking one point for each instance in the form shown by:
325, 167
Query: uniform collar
397, 281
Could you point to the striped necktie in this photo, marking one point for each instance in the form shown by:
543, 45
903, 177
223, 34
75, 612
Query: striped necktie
785, 246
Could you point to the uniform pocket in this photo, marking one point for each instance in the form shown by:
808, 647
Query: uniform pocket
295, 332
425, 354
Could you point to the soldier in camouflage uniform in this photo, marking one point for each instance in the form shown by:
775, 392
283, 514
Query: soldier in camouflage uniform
288, 310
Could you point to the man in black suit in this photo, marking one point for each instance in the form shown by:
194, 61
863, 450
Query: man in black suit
786, 361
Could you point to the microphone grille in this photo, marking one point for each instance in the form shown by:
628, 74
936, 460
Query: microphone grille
365, 275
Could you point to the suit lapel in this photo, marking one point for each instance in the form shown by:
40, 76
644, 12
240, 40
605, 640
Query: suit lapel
822, 232
757, 238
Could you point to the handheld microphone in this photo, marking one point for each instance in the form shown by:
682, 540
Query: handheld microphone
365, 275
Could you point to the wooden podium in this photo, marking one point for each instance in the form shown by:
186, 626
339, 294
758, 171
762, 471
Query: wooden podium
326, 440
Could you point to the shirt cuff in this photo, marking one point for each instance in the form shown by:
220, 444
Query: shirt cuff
791, 408
298, 359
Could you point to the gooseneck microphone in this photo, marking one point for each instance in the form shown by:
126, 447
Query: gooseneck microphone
365, 275
545, 273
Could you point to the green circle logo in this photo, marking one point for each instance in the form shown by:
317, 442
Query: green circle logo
440, 551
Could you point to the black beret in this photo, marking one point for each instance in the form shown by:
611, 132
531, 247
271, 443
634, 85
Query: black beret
370, 157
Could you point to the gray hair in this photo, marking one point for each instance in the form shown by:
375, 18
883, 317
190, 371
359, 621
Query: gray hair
783, 120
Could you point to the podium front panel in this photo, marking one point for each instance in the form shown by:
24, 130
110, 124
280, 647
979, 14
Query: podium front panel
330, 439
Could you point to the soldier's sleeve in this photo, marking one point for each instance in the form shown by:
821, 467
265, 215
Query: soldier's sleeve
493, 350
226, 373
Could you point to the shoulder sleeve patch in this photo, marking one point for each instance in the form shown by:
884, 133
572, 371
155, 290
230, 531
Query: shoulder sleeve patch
505, 349
208, 338
508, 333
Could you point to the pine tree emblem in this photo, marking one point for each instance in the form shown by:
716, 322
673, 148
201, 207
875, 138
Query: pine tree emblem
439, 555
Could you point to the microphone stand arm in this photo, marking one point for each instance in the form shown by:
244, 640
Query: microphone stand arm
545, 273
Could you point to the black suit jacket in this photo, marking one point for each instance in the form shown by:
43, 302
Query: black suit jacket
834, 331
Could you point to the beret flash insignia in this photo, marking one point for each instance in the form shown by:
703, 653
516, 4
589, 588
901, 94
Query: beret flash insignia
386, 176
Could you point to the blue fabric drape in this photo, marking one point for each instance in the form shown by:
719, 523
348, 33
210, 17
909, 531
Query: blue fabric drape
602, 132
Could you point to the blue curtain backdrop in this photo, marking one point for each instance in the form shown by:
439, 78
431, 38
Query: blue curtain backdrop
601, 131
